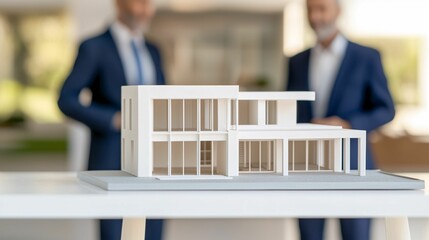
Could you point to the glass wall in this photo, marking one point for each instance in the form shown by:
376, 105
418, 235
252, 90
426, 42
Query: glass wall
257, 156
188, 158
186, 115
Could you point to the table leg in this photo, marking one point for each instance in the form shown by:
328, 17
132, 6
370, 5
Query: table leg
397, 229
133, 228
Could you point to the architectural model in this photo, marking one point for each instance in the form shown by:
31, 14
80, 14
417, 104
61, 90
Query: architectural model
209, 131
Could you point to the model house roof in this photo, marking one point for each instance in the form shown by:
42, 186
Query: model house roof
298, 96
218, 92
188, 92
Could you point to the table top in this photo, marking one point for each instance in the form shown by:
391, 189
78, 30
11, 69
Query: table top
62, 195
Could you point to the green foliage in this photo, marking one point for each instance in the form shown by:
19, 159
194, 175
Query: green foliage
37, 146
42, 57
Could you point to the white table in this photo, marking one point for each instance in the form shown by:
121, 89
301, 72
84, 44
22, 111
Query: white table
62, 196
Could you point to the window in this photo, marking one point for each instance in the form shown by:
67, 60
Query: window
234, 114
160, 115
132, 154
209, 108
207, 158
160, 158
310, 155
177, 115
257, 156
271, 112
191, 115
248, 112
130, 110
206, 153
124, 114
184, 115
183, 158
178, 166
123, 154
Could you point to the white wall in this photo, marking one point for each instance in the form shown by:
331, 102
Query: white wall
90, 17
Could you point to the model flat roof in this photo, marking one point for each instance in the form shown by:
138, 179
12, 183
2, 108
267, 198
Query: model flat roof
297, 127
215, 92
297, 96
188, 92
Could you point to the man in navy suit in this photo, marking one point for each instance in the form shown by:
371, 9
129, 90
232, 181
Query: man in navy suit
120, 56
351, 91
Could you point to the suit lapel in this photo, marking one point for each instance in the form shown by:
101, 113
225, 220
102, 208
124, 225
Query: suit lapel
340, 82
117, 57
306, 65
156, 64
308, 106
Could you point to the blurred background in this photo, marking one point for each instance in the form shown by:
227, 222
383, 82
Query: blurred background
244, 42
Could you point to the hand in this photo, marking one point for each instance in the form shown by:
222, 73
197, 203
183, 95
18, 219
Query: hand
333, 121
117, 121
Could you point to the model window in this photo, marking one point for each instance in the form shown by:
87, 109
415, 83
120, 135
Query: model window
271, 112
191, 115
160, 115
248, 112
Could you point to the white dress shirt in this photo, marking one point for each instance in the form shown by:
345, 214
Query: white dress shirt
123, 38
324, 66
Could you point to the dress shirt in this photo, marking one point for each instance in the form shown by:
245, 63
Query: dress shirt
123, 38
324, 66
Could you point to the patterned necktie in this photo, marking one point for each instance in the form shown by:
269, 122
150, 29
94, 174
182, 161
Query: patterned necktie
140, 79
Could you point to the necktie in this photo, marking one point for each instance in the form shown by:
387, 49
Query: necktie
140, 79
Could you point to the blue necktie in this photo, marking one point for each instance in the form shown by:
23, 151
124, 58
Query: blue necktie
140, 79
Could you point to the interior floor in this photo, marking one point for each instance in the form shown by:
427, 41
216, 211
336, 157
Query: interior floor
177, 171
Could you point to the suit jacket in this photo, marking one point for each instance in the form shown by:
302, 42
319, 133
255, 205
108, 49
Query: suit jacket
360, 93
98, 67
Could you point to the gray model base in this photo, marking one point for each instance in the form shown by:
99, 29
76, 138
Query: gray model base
375, 180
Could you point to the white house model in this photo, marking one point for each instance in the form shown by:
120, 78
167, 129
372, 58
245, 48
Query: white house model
198, 131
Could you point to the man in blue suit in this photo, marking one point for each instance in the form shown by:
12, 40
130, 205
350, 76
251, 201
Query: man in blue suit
120, 56
351, 91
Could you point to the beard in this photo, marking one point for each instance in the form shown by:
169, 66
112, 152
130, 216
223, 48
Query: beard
324, 32
136, 24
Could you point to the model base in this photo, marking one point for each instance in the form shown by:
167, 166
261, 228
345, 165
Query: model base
374, 180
